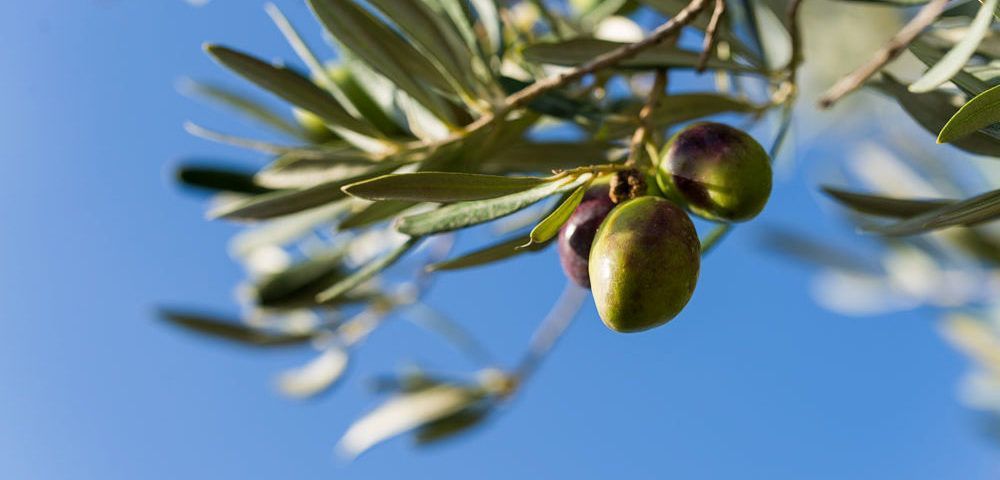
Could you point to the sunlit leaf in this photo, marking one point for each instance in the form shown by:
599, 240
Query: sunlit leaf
546, 157
316, 376
465, 214
442, 187
980, 112
965, 80
231, 330
404, 413
291, 86
932, 110
493, 253
385, 51
549, 227
956, 58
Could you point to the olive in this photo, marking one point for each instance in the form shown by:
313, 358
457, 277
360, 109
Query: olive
644, 264
577, 234
718, 172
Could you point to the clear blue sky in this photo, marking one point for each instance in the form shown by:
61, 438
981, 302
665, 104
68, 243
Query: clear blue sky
754, 381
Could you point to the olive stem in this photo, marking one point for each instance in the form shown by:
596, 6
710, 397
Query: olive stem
551, 329
926, 16
642, 132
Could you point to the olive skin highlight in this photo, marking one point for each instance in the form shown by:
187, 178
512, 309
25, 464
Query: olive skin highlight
644, 264
718, 172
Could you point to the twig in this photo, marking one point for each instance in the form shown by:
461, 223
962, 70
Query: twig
926, 16
552, 328
795, 32
601, 62
710, 34
714, 237
642, 132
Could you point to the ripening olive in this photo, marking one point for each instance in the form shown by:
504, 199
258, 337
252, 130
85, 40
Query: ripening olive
644, 264
719, 172
577, 234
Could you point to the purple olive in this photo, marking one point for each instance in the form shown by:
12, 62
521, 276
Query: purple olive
577, 234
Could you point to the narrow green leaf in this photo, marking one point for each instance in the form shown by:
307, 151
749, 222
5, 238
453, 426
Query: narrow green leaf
549, 227
956, 58
284, 202
452, 425
465, 214
244, 105
231, 330
980, 112
382, 49
894, 3
883, 206
440, 187
365, 273
554, 103
675, 109
489, 17
493, 253
297, 286
576, 51
436, 35
932, 110
291, 86
965, 80
973, 211
216, 178
546, 157
375, 213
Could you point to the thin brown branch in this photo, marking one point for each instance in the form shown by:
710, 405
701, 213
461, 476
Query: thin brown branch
711, 33
642, 132
924, 18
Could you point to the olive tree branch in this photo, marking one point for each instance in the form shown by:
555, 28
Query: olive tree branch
601, 62
926, 16
710, 34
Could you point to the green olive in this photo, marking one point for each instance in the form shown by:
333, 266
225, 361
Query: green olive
719, 172
644, 264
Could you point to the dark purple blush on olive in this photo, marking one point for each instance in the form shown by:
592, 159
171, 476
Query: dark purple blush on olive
577, 234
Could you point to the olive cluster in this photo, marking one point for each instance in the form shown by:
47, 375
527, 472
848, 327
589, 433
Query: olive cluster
641, 256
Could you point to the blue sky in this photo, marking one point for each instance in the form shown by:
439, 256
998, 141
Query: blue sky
753, 381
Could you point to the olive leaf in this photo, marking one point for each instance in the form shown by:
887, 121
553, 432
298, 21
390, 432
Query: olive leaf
297, 286
316, 376
549, 227
554, 103
956, 58
465, 214
979, 209
452, 425
576, 51
493, 253
546, 157
980, 112
406, 412
436, 35
244, 105
385, 51
284, 202
672, 7
884, 206
441, 187
217, 178
894, 3
231, 330
675, 109
375, 213
365, 273
291, 86
965, 80
932, 110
